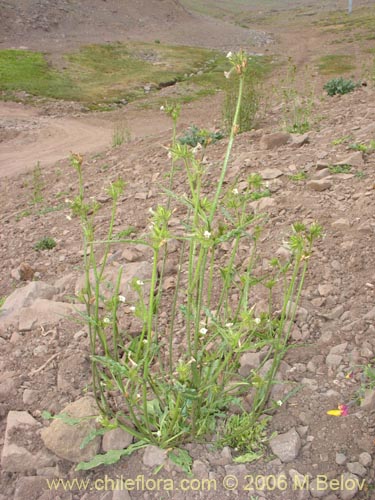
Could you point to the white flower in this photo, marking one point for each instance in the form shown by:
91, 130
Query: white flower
203, 331
279, 402
207, 235
235, 191
107, 321
257, 321
169, 155
229, 325
68, 217
132, 308
229, 55
162, 108
227, 74
121, 298
140, 283
158, 434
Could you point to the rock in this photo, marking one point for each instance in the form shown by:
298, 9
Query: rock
350, 486
16, 456
64, 440
29, 396
200, 469
116, 439
341, 224
24, 272
8, 389
370, 316
316, 489
368, 401
333, 360
132, 271
325, 290
271, 173
35, 488
121, 495
336, 313
286, 446
273, 141
339, 349
283, 254
356, 468
365, 459
340, 458
249, 361
321, 174
25, 296
71, 370
46, 312
354, 159
154, 456
319, 185
262, 204
299, 140
132, 255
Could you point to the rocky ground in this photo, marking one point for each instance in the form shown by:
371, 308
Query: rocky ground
45, 356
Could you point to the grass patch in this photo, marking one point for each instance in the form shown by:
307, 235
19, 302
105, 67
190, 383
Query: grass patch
103, 75
30, 72
335, 64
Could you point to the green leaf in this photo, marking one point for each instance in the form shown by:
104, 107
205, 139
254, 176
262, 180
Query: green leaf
248, 457
182, 459
111, 457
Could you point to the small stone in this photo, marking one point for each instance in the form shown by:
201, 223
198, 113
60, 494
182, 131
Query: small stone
341, 224
325, 290
365, 459
368, 401
333, 360
283, 254
29, 396
350, 483
24, 272
299, 140
316, 490
319, 185
354, 159
249, 361
31, 487
64, 440
121, 495
8, 388
273, 141
356, 468
271, 173
340, 458
339, 348
286, 446
116, 439
154, 456
370, 316
200, 469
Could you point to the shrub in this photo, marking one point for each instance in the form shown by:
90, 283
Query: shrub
339, 86
176, 380
46, 243
194, 136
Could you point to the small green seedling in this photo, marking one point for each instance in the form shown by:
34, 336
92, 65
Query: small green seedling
340, 169
46, 243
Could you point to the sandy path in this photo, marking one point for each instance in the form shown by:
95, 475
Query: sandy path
48, 139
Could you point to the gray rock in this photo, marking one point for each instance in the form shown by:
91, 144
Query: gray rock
271, 173
316, 489
339, 348
116, 439
286, 446
8, 389
262, 204
299, 140
24, 272
370, 316
350, 483
154, 456
46, 312
340, 458
365, 459
200, 469
356, 468
16, 457
354, 159
273, 141
34, 488
341, 224
29, 396
64, 440
321, 174
71, 370
368, 401
319, 185
249, 361
333, 360
121, 495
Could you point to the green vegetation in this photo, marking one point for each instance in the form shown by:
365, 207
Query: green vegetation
194, 136
46, 243
37, 184
335, 64
365, 148
360, 25
300, 176
339, 86
2, 300
168, 397
341, 140
121, 134
340, 169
